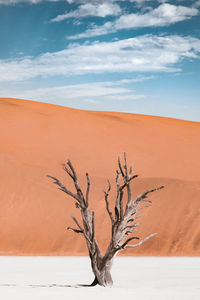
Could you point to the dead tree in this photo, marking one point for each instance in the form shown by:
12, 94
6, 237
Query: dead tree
123, 220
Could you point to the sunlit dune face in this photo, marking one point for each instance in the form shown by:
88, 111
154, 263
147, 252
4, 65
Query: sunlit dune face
37, 138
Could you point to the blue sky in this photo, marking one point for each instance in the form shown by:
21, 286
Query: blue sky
137, 56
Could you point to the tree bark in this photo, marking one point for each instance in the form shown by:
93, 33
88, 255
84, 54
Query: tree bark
122, 220
101, 270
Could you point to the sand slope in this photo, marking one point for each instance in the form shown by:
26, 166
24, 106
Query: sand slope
36, 138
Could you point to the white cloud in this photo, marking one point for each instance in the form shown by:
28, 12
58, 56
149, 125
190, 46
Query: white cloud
146, 53
127, 81
101, 1
163, 15
10, 2
91, 9
197, 3
7, 2
88, 92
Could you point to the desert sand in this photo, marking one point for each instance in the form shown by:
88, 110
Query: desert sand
37, 138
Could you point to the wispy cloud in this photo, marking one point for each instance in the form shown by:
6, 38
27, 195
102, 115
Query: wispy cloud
8, 2
88, 92
164, 15
90, 9
109, 1
146, 53
197, 3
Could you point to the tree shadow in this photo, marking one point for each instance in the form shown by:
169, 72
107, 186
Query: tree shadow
7, 284
76, 286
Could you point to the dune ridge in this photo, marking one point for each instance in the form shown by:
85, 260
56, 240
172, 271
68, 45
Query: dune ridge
36, 138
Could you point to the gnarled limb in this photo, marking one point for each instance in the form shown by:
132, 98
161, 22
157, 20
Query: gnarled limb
123, 222
88, 189
82, 203
125, 218
75, 230
141, 242
107, 203
63, 188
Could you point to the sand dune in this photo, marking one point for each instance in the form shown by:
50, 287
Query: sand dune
36, 138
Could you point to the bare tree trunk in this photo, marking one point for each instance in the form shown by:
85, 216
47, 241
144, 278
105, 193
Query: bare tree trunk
122, 221
102, 272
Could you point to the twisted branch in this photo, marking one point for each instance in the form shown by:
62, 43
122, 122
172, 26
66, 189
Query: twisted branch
107, 203
123, 221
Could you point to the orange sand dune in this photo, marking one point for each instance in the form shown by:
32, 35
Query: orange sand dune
36, 138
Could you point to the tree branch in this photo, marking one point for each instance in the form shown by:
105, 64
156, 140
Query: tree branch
72, 169
120, 167
129, 180
144, 194
127, 241
77, 223
131, 170
88, 189
125, 167
140, 216
81, 229
123, 219
68, 171
92, 226
75, 179
132, 226
64, 189
121, 205
107, 203
117, 203
75, 230
142, 207
141, 242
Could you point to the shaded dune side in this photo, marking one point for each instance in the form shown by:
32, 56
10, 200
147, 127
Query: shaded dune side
36, 138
